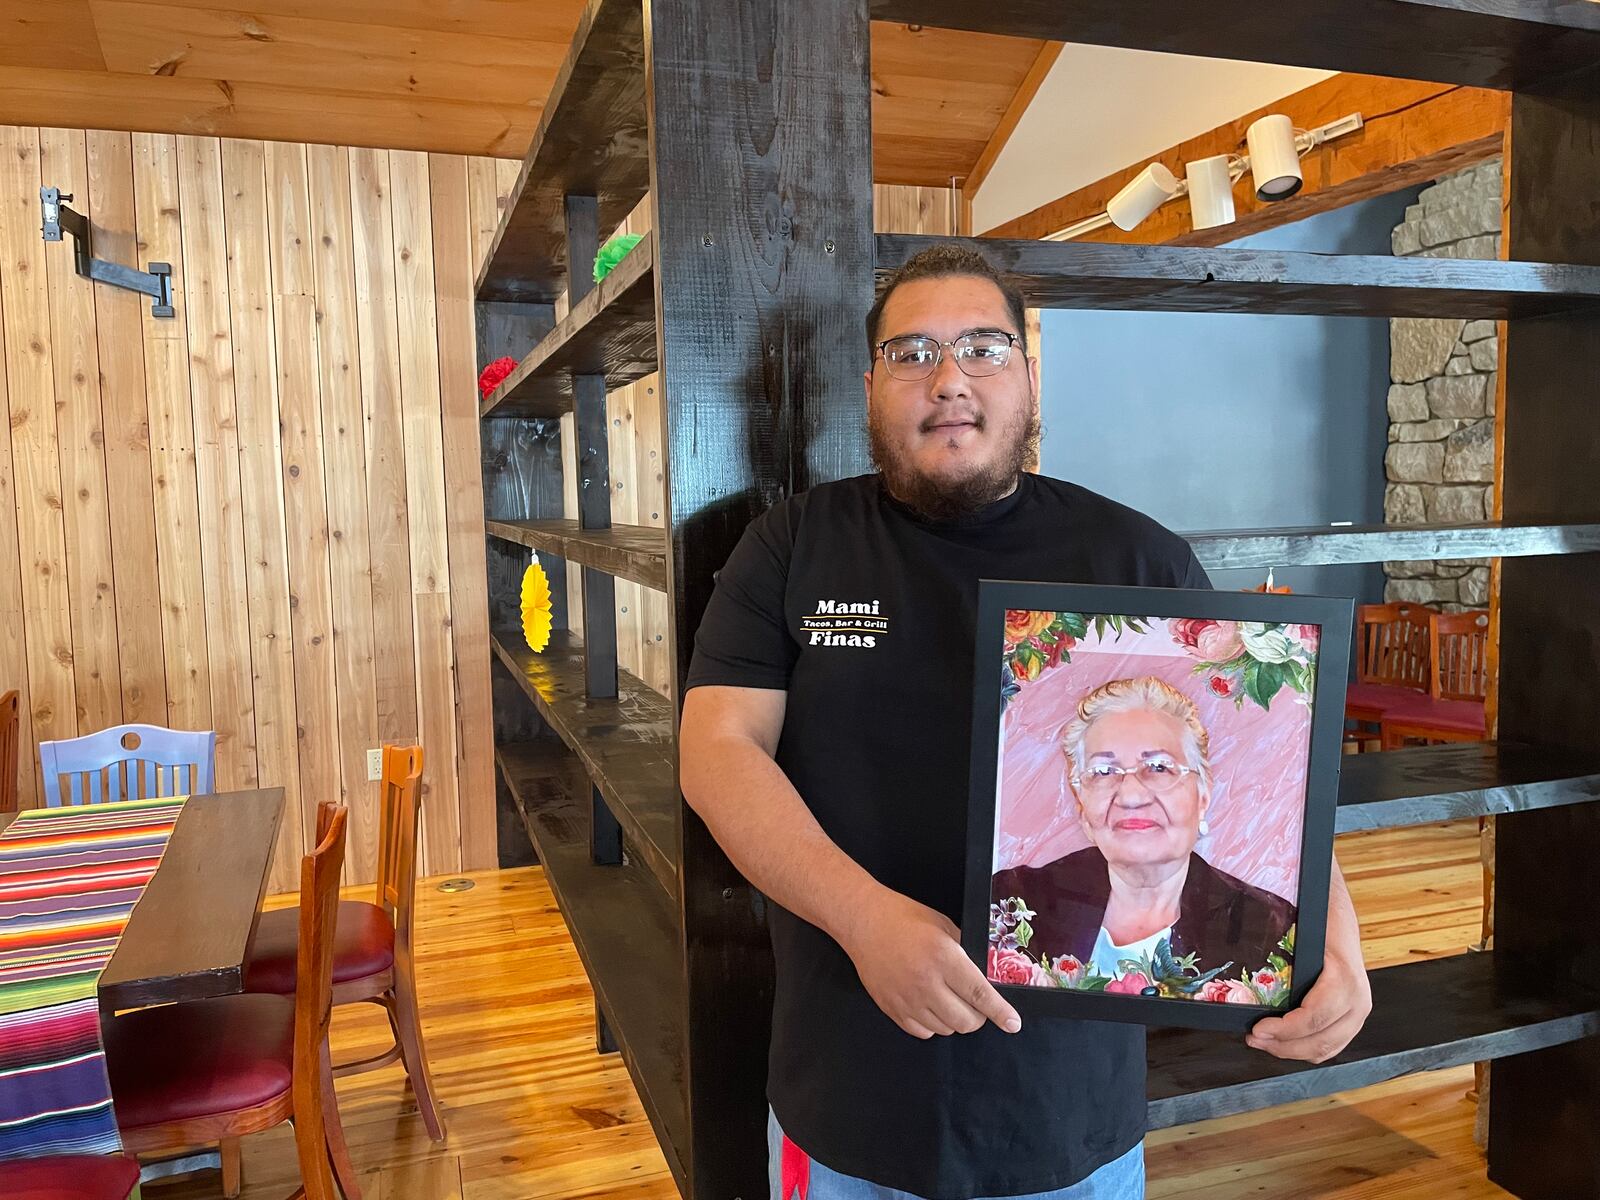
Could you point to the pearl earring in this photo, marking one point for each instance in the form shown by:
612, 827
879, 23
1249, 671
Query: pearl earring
1205, 827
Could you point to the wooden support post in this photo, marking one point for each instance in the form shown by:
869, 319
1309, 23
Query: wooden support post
1544, 1106
761, 174
605, 831
521, 481
521, 465
605, 1042
593, 457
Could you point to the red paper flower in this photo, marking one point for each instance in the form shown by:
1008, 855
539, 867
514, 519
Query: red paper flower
1221, 685
494, 375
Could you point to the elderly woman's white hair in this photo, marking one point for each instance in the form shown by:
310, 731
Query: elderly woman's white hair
1144, 693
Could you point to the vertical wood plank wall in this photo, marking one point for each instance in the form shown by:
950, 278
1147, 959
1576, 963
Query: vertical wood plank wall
264, 516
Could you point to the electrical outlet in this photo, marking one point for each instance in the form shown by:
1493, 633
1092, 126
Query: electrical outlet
374, 765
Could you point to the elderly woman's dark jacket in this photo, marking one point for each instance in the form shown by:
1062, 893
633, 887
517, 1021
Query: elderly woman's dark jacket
1220, 918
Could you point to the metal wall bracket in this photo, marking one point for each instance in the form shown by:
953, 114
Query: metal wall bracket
155, 283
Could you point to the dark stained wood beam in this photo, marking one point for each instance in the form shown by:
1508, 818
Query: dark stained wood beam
1328, 545
1549, 610
1482, 43
1205, 279
1424, 784
611, 331
761, 188
624, 744
1425, 1016
636, 552
1415, 132
590, 142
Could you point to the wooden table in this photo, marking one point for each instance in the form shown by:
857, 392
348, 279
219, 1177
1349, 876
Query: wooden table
190, 933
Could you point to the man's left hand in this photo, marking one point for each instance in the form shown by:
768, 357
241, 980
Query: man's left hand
1338, 1003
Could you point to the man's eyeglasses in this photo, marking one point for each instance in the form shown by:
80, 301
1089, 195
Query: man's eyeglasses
1158, 774
913, 356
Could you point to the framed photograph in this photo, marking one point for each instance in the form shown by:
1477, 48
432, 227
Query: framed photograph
1154, 779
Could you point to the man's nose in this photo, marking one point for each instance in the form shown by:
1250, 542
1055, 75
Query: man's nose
948, 381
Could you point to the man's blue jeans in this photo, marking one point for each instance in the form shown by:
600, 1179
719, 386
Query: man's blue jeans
1119, 1179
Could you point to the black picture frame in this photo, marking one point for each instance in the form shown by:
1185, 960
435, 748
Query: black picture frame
1334, 616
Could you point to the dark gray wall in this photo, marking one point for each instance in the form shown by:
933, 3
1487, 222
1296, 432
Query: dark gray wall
1213, 421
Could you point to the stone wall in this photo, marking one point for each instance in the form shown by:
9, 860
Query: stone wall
1440, 461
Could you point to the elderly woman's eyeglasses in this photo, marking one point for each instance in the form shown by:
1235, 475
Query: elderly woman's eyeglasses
1157, 774
913, 356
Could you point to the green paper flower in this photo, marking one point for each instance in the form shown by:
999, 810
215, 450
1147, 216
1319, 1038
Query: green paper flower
614, 251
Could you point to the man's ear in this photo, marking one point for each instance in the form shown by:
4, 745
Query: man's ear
1033, 379
867, 379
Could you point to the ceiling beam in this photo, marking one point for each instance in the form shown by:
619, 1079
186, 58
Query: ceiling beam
216, 107
1480, 43
1414, 133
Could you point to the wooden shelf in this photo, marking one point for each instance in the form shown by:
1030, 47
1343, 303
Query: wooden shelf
626, 745
1324, 545
610, 332
1425, 1016
1445, 41
636, 552
592, 140
1451, 782
1209, 279
624, 928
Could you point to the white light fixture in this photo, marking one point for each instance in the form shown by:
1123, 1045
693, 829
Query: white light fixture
1210, 183
1275, 147
1274, 158
1144, 193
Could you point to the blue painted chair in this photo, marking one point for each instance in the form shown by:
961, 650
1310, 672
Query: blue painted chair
128, 762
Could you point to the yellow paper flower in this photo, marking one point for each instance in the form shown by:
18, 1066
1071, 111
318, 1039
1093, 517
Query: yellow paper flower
536, 616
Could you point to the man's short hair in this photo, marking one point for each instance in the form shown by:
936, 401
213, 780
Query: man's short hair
939, 262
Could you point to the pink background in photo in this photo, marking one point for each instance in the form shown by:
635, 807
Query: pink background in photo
1258, 763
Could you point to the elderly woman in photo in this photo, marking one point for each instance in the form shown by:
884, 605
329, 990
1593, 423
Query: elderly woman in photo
1137, 764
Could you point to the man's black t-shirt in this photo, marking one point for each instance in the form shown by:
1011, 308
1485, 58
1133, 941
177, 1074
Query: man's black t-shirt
865, 613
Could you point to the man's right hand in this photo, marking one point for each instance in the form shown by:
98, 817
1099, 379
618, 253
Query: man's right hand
910, 960
909, 957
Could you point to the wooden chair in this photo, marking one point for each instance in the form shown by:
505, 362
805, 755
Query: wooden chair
1391, 664
128, 762
208, 1071
373, 957
1458, 646
10, 736
1458, 685
69, 1176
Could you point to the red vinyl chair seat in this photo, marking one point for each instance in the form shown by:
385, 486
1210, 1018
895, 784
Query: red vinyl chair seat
69, 1177
363, 945
199, 1058
1378, 698
1457, 716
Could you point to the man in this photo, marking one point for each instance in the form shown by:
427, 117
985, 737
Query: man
825, 744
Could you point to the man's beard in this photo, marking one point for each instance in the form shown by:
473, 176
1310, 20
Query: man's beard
948, 500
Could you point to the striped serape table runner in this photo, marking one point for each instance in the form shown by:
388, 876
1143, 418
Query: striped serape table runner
69, 877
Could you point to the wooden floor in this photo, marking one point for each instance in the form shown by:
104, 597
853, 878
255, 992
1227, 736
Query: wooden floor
532, 1111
